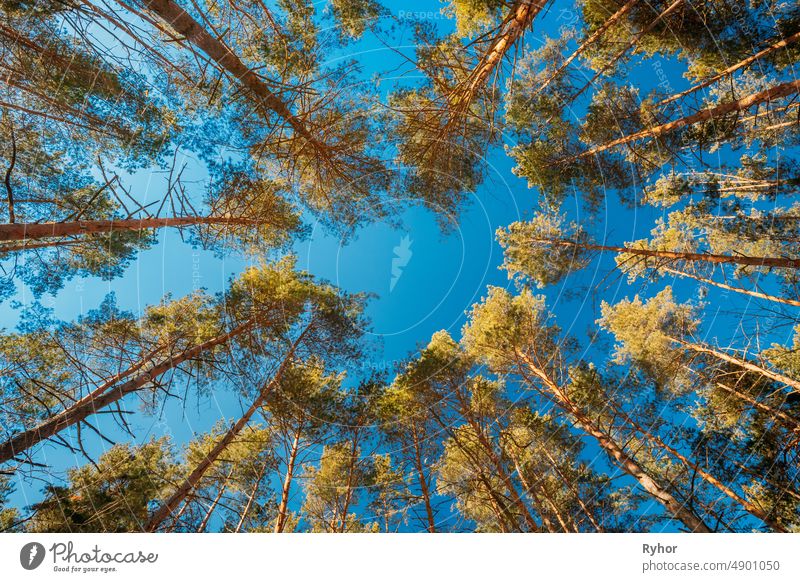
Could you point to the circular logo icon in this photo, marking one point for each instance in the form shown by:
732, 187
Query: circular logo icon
31, 555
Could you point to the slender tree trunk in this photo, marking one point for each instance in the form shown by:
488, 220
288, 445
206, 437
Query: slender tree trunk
280, 522
775, 92
612, 20
589, 515
787, 421
211, 508
498, 467
108, 393
251, 497
741, 362
536, 502
423, 483
733, 68
707, 477
667, 11
505, 519
617, 453
23, 231
188, 27
741, 290
349, 493
10, 170
199, 471
40, 245
775, 262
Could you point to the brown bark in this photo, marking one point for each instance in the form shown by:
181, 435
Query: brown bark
741, 362
10, 170
108, 393
775, 262
536, 502
500, 470
423, 484
203, 524
667, 11
349, 493
251, 497
280, 522
617, 453
775, 92
733, 68
741, 290
28, 231
199, 471
184, 24
589, 515
707, 477
613, 19
520, 17
787, 421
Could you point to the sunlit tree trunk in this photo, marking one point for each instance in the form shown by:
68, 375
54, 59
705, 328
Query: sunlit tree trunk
627, 463
109, 392
22, 231
775, 92
612, 20
199, 471
733, 68
283, 507
740, 362
183, 23
727, 287
423, 482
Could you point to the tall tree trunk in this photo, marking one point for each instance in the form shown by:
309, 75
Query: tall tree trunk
787, 421
589, 515
505, 519
613, 19
775, 262
423, 483
617, 453
23, 231
536, 502
727, 287
211, 508
251, 497
750, 508
108, 393
188, 27
199, 471
733, 68
775, 92
500, 470
280, 522
349, 493
741, 362
667, 11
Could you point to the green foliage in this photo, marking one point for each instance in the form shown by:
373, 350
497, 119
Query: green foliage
646, 333
544, 249
115, 495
